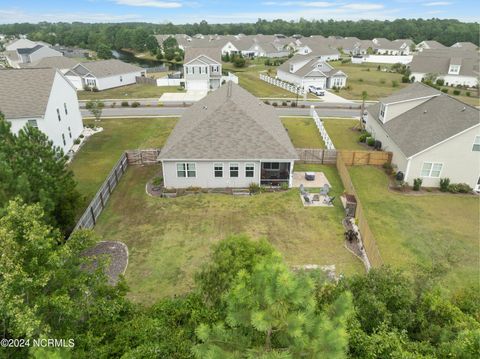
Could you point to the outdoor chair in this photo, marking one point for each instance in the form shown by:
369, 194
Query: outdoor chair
328, 200
307, 198
325, 189
316, 198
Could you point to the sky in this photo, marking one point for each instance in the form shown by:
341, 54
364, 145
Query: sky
214, 11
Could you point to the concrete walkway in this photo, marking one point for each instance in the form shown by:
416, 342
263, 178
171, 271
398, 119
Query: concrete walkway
330, 97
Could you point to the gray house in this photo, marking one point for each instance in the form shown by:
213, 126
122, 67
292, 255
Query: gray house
430, 134
229, 139
202, 68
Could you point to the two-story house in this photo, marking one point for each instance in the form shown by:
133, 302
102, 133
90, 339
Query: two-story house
430, 134
311, 70
41, 98
202, 68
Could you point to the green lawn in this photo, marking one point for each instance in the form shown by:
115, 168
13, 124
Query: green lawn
303, 132
96, 158
435, 231
169, 239
129, 92
366, 77
343, 133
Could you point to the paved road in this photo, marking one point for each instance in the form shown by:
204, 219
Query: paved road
176, 111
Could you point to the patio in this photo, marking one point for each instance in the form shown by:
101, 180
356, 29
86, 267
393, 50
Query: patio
319, 181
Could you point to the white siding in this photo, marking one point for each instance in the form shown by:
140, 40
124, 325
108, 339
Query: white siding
205, 177
105, 83
42, 53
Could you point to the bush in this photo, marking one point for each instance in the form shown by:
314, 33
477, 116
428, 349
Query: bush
135, 104
125, 104
468, 93
417, 183
239, 61
293, 104
388, 168
394, 83
371, 141
456, 92
360, 80
266, 102
284, 186
440, 82
405, 79
302, 105
363, 138
274, 104
459, 188
254, 188
81, 136
444, 184
445, 90
157, 181
382, 81
113, 104
76, 142
284, 103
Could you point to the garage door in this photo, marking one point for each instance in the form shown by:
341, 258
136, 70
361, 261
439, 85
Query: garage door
197, 85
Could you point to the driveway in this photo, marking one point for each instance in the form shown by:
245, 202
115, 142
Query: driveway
179, 97
330, 97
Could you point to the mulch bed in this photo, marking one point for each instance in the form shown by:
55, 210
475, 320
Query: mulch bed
154, 191
116, 253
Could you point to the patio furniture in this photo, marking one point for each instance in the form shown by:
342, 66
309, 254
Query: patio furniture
310, 176
329, 200
325, 189
316, 198
306, 197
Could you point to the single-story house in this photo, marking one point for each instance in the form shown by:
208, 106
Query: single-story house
465, 46
430, 134
20, 44
322, 51
454, 66
429, 45
308, 70
229, 139
64, 64
41, 98
104, 74
202, 68
397, 47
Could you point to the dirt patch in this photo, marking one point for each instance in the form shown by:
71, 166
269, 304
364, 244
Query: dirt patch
116, 253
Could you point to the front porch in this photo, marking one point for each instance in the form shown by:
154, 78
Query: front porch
276, 173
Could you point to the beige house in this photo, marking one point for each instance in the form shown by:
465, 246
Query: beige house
430, 134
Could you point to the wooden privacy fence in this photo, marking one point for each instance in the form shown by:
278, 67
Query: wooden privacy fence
374, 158
145, 80
99, 201
317, 155
368, 238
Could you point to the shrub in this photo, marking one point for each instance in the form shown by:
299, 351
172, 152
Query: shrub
135, 104
382, 81
388, 168
113, 104
459, 188
284, 103
405, 79
157, 181
274, 104
444, 184
293, 104
362, 138
456, 92
394, 83
81, 136
468, 93
284, 186
266, 102
370, 141
440, 82
125, 104
302, 105
254, 188
360, 80
417, 183
445, 90
76, 142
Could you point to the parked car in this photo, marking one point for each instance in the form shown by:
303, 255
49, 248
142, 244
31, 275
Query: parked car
316, 90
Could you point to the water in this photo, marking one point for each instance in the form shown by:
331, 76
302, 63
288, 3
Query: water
130, 58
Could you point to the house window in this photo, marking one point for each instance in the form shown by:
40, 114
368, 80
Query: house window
32, 123
69, 132
233, 169
218, 169
121, 79
63, 139
431, 169
476, 144
382, 111
249, 170
65, 108
186, 170
91, 82
58, 115
271, 165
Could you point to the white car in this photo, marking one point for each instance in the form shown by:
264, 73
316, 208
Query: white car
316, 90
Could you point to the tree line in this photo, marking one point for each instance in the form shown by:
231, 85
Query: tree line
140, 36
246, 302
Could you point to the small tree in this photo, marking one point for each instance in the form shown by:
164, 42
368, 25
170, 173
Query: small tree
104, 52
364, 98
95, 107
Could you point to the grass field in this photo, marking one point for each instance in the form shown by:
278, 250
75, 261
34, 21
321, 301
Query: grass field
303, 132
100, 153
169, 239
343, 133
436, 232
129, 92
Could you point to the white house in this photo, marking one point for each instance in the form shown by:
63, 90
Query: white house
454, 66
229, 139
104, 74
24, 51
429, 45
322, 51
41, 98
308, 70
20, 44
430, 134
397, 47
202, 68
465, 46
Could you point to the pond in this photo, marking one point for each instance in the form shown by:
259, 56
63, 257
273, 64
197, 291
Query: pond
130, 58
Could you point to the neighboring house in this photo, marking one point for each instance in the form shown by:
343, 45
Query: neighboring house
308, 70
17, 56
430, 134
323, 51
455, 67
429, 45
397, 47
20, 44
229, 139
41, 98
465, 46
202, 68
72, 52
104, 74
64, 64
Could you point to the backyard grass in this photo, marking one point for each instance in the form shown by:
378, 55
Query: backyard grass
303, 132
436, 232
96, 158
129, 92
343, 133
169, 239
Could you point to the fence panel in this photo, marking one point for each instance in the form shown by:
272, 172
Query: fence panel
368, 238
317, 155
282, 84
359, 158
145, 80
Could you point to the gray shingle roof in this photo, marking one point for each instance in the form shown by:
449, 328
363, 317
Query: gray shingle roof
433, 121
29, 50
213, 53
438, 61
222, 126
105, 68
413, 91
25, 92
56, 62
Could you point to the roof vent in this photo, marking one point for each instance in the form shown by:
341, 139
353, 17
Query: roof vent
205, 107
424, 111
464, 108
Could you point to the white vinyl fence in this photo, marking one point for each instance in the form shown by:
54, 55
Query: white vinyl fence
165, 81
323, 132
284, 85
